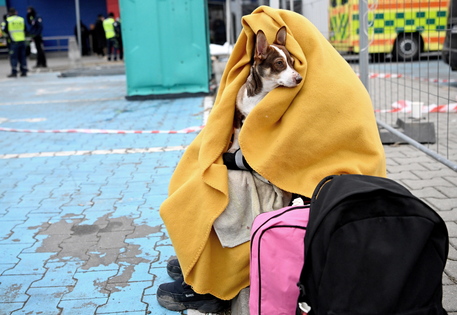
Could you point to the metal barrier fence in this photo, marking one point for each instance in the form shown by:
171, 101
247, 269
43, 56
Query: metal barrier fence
56, 43
415, 99
51, 43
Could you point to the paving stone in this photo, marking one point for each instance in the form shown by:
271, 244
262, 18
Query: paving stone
156, 309
445, 204
102, 205
448, 279
132, 198
448, 215
13, 288
132, 271
9, 308
81, 306
21, 235
149, 215
9, 253
5, 267
429, 192
427, 174
44, 244
452, 230
128, 209
102, 258
7, 230
16, 212
11, 196
166, 252
125, 299
29, 264
452, 179
392, 169
450, 192
419, 184
90, 284
150, 297
112, 239
44, 299
58, 274
400, 176
450, 298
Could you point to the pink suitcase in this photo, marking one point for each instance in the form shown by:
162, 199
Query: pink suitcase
277, 257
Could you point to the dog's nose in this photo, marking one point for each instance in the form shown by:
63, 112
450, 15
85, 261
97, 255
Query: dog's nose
298, 78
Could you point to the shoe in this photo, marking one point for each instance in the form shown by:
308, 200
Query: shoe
23, 74
12, 75
174, 269
179, 296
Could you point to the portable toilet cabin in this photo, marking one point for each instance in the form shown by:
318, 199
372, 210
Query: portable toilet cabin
166, 48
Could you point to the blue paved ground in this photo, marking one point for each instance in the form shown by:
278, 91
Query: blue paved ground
80, 231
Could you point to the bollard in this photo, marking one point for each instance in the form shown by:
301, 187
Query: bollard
74, 54
416, 110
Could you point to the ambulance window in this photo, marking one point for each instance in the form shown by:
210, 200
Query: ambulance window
343, 2
333, 3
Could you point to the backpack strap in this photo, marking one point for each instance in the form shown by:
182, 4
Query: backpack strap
320, 185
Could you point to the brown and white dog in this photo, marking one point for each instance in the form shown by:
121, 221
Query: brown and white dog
273, 66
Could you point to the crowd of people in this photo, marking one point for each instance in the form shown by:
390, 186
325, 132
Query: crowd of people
104, 37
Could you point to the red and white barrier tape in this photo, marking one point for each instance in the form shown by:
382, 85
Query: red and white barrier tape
106, 131
404, 106
95, 152
384, 75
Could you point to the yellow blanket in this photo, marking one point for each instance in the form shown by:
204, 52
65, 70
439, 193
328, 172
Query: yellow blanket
293, 137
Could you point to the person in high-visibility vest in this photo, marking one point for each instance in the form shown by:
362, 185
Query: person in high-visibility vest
15, 28
3, 33
112, 44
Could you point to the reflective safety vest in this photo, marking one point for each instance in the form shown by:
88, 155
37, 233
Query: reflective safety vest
16, 28
108, 25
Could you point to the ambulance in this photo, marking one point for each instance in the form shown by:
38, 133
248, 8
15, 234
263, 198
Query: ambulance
402, 28
449, 53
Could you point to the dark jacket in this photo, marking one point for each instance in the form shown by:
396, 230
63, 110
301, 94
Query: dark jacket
35, 22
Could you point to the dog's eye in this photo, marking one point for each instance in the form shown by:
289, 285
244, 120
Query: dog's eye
279, 63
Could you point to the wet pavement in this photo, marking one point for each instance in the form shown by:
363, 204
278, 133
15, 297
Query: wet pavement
80, 229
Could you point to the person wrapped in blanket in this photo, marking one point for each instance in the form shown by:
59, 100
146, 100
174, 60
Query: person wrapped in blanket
291, 140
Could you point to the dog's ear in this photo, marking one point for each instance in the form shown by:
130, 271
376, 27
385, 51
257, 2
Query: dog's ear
281, 36
261, 44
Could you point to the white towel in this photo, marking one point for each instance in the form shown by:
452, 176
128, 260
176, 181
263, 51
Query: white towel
249, 195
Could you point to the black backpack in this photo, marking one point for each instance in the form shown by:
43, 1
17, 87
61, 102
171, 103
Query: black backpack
371, 247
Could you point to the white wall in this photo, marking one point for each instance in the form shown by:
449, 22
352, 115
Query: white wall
317, 12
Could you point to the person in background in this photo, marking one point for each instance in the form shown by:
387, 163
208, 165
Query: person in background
15, 28
2, 26
117, 29
36, 30
85, 38
219, 32
98, 37
111, 39
3, 33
